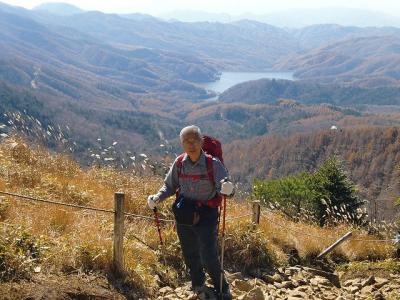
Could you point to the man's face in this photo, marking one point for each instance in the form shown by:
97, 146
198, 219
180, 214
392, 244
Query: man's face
192, 145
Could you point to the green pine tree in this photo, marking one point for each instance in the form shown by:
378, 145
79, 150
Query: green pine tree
339, 200
325, 196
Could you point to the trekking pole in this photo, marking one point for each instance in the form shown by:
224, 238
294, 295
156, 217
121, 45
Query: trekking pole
222, 247
158, 225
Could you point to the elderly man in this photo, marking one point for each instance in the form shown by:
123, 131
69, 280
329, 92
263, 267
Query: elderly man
189, 178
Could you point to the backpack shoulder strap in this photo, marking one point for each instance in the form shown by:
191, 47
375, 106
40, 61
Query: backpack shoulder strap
210, 168
179, 163
179, 169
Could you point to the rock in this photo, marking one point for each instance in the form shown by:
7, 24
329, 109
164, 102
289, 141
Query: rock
289, 272
387, 289
370, 280
332, 277
354, 289
191, 297
169, 297
295, 283
287, 284
329, 296
178, 290
165, 290
255, 294
260, 283
350, 282
302, 288
318, 280
242, 285
267, 278
301, 281
379, 296
380, 282
284, 285
294, 269
234, 276
367, 290
277, 277
297, 294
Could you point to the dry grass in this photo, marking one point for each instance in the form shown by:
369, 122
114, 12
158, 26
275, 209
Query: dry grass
62, 239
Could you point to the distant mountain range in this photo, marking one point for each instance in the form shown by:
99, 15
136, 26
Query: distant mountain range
295, 18
59, 8
256, 45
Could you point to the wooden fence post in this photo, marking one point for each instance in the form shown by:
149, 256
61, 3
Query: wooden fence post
118, 249
255, 218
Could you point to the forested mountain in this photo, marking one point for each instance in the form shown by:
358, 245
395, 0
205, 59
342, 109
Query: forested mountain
265, 91
316, 36
364, 61
371, 156
239, 120
30, 45
256, 45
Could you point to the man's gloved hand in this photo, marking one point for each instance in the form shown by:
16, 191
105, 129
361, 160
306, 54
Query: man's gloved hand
227, 187
152, 201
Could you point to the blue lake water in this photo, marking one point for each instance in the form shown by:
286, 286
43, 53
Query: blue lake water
229, 79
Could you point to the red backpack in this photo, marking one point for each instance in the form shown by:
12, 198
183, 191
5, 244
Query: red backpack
212, 148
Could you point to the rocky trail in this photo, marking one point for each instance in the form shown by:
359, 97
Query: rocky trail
300, 283
291, 283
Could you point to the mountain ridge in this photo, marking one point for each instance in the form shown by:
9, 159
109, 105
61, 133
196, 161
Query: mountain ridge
58, 8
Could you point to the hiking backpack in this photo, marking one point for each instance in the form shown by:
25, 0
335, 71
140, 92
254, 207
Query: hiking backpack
212, 148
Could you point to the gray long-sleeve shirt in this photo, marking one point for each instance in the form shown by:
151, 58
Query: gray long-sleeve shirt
194, 189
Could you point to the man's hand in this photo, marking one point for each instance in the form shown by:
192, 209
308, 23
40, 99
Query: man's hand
152, 201
227, 187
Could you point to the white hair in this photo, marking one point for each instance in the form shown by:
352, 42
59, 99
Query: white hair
190, 129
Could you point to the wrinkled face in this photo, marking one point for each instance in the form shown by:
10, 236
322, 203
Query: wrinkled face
191, 144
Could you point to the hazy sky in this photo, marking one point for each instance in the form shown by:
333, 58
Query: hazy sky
156, 7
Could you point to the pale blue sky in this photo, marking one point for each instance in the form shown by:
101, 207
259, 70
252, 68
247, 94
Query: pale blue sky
156, 7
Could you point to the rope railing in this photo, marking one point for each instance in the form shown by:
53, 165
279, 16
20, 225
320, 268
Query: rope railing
57, 202
99, 209
119, 216
238, 217
173, 221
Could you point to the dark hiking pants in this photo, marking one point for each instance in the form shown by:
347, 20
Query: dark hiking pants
200, 248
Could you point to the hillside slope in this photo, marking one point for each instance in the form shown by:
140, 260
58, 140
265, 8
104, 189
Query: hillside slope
43, 244
309, 92
364, 61
371, 156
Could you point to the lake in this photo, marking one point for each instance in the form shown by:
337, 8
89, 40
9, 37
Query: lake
229, 79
